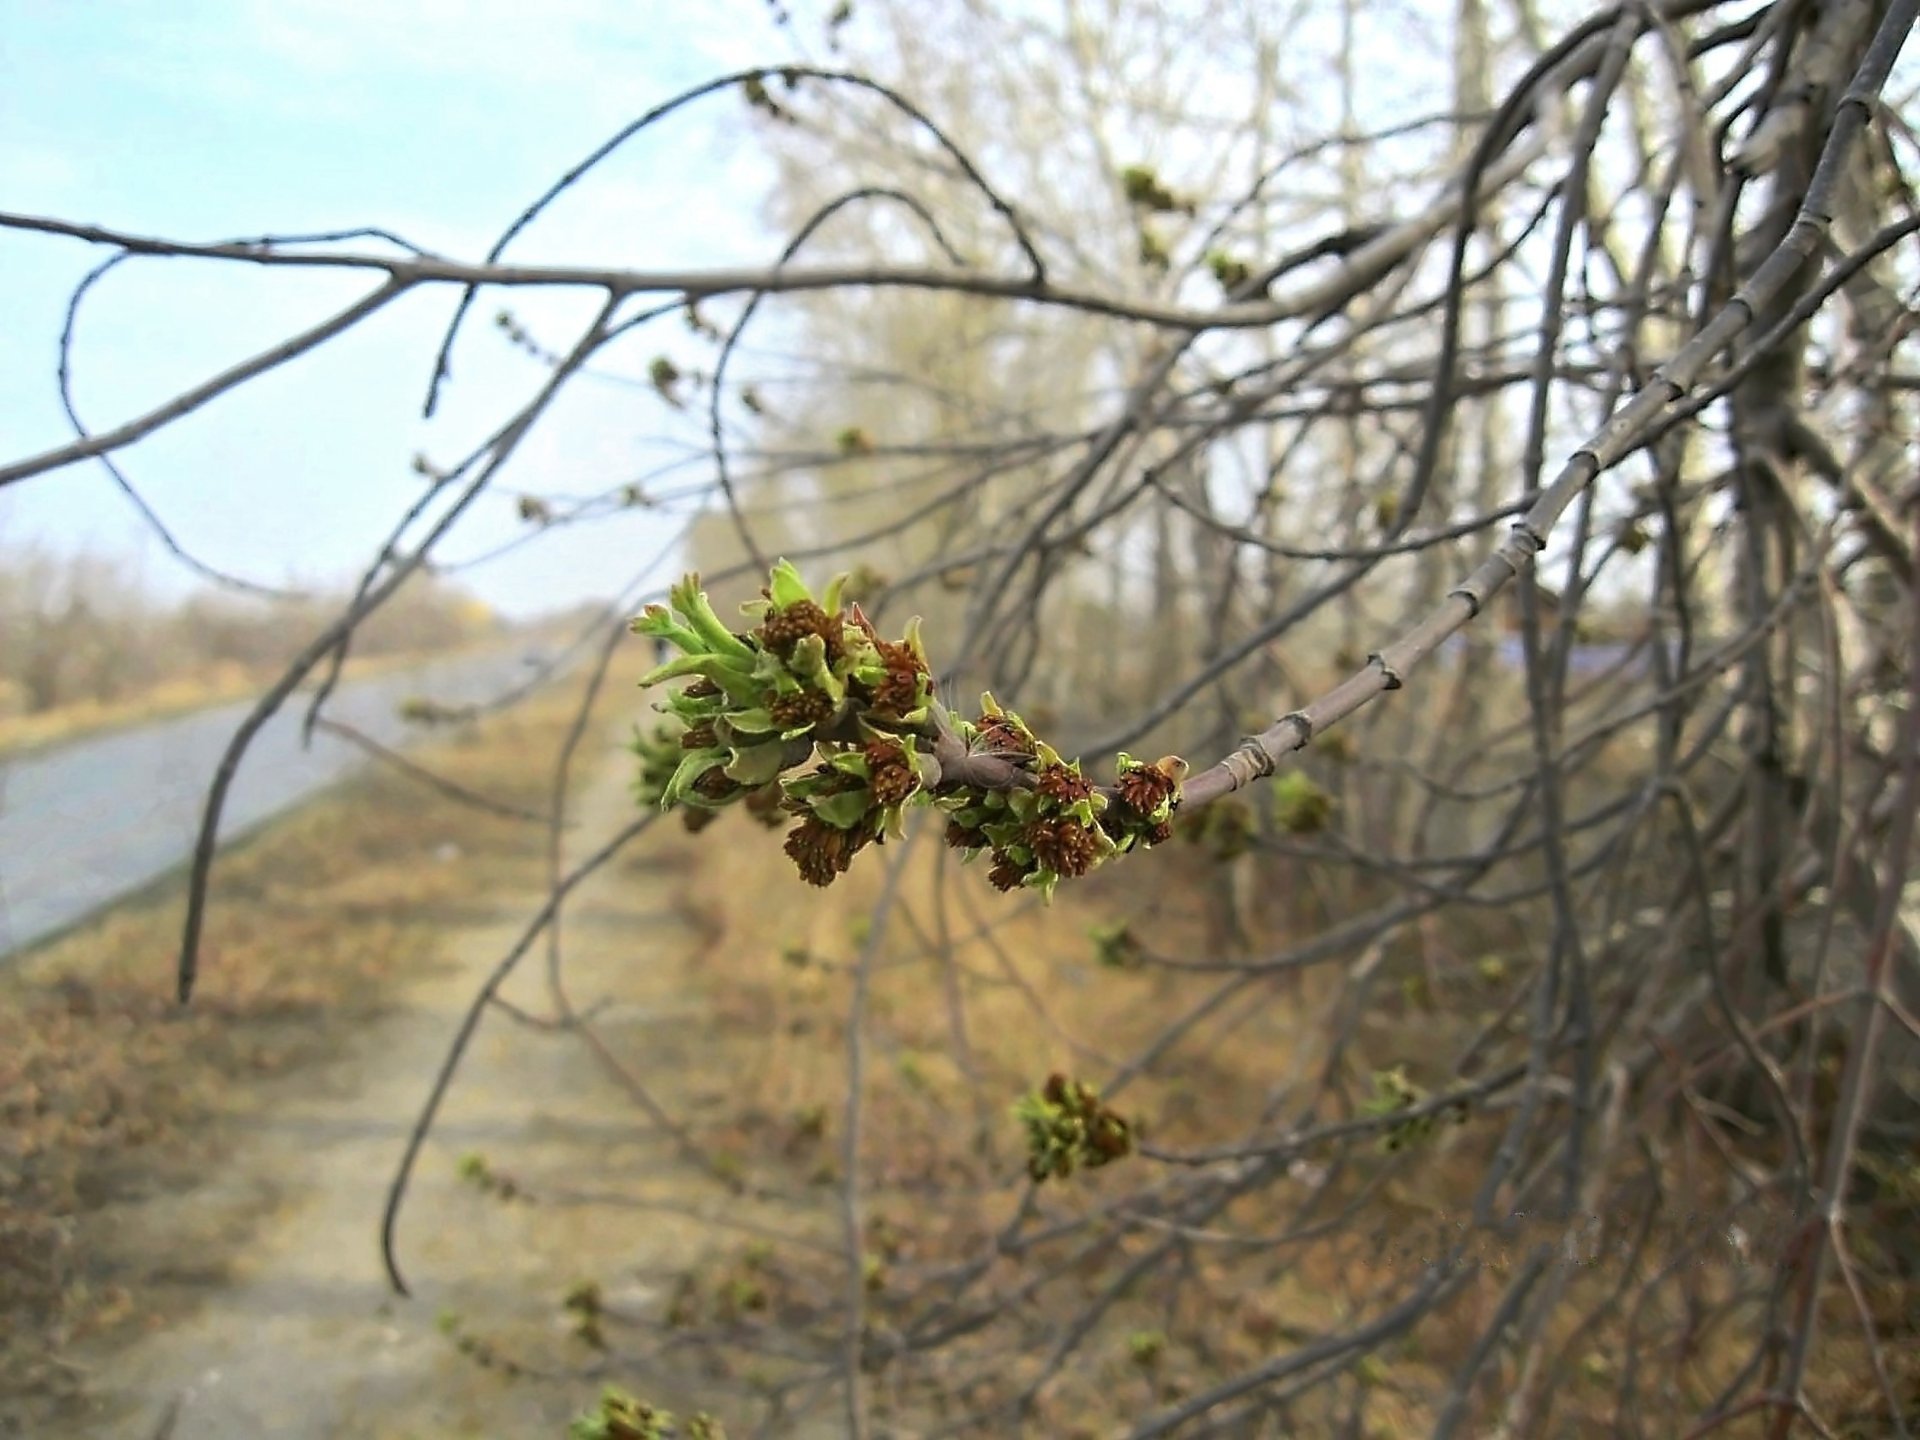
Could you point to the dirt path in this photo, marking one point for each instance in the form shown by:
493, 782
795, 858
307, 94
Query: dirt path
282, 1323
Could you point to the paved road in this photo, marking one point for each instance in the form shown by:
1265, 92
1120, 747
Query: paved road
85, 823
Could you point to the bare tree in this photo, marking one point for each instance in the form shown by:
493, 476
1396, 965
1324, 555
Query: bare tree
1175, 404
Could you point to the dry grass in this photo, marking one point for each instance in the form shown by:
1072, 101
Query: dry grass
958, 1030
957, 1033
84, 642
20, 734
106, 1084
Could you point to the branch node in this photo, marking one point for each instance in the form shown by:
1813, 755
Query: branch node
1535, 541
1262, 763
1391, 675
1473, 600
1304, 721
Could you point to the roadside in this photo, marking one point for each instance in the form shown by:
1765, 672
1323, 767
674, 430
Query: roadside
25, 735
363, 911
191, 1200
85, 823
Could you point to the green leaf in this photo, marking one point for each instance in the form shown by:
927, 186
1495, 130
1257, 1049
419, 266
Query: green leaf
787, 587
1392, 1092
756, 765
912, 639
715, 667
830, 602
692, 603
753, 721
710, 665
1084, 811
769, 670
809, 662
691, 709
929, 769
696, 764
845, 810
655, 620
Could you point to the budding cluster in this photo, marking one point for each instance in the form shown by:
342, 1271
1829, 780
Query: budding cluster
1143, 799
1067, 1126
1394, 1096
1037, 833
661, 751
619, 1416
810, 678
809, 714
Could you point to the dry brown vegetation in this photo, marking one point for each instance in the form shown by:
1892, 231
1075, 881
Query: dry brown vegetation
972, 1000
109, 1087
83, 650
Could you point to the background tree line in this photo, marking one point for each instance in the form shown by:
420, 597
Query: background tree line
74, 629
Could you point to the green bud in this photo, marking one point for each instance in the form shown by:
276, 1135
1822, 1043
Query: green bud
1299, 805
836, 587
723, 671
694, 607
696, 764
787, 588
809, 663
655, 620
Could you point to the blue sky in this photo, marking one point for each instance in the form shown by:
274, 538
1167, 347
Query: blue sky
438, 119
